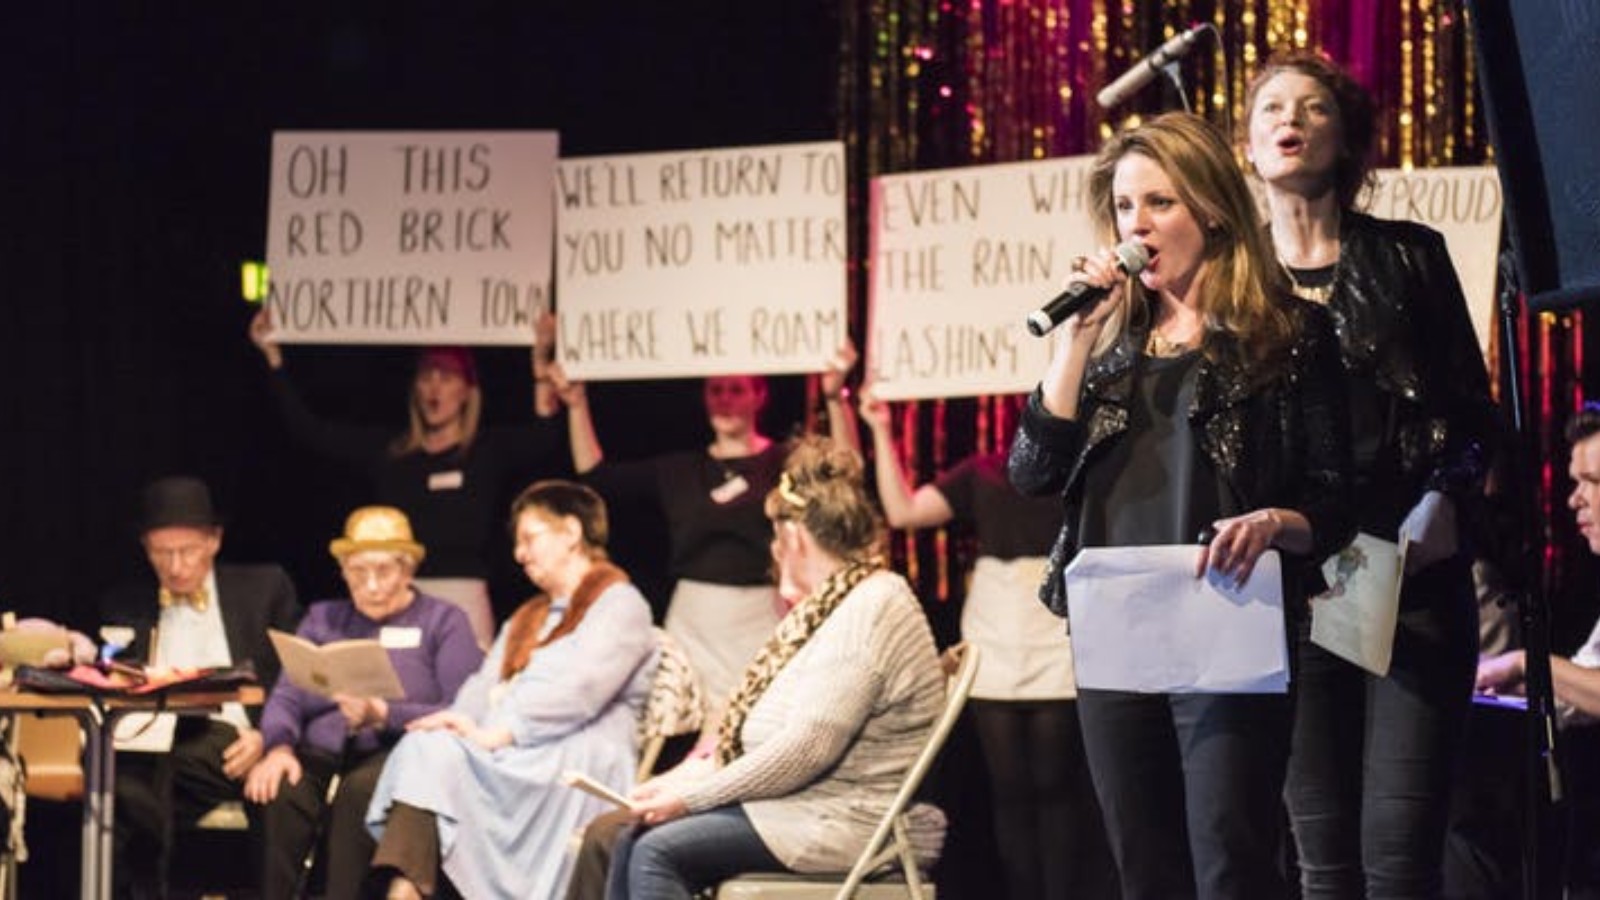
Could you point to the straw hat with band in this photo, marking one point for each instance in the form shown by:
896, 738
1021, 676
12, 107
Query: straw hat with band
377, 528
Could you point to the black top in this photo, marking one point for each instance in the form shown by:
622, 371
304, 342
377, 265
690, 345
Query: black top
1278, 437
1154, 486
455, 500
717, 527
1368, 405
1008, 525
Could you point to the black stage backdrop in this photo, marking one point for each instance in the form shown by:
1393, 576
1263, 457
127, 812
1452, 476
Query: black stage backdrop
134, 150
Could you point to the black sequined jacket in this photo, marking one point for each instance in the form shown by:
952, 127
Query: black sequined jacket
1282, 442
1403, 324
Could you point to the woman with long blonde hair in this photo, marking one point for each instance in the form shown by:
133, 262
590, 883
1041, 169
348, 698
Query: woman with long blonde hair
1197, 399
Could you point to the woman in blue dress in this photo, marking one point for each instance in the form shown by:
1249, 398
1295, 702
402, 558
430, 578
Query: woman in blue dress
475, 790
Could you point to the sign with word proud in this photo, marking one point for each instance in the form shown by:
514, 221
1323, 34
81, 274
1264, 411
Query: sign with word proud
959, 259
1463, 203
702, 262
409, 237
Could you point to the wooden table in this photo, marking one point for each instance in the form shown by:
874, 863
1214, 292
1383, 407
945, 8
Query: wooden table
97, 719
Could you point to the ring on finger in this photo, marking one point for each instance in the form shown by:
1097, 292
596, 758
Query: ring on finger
1079, 263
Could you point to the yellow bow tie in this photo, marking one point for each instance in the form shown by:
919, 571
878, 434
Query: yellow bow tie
198, 599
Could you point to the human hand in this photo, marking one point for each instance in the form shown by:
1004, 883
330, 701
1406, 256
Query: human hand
266, 776
1238, 543
442, 720
544, 335
874, 411
362, 712
660, 807
1503, 673
261, 335
1101, 270
241, 755
571, 392
1428, 535
837, 371
490, 738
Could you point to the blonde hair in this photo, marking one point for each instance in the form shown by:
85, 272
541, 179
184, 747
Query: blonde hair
1239, 286
411, 439
823, 488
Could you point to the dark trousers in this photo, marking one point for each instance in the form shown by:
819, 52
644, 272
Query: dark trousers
590, 869
157, 793
1373, 758
1047, 823
1191, 789
289, 825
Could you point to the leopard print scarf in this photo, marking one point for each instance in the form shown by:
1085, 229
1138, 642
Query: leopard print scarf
791, 634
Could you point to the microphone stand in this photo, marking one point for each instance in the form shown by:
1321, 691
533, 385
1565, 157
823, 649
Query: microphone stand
1541, 772
1174, 73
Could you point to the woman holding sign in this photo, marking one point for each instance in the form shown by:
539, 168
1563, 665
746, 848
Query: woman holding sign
1197, 398
445, 470
723, 606
1369, 776
475, 789
314, 740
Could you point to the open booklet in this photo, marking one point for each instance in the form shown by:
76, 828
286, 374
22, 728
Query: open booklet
1355, 619
359, 667
582, 782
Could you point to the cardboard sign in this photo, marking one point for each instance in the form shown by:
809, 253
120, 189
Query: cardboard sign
702, 263
959, 259
1464, 204
409, 237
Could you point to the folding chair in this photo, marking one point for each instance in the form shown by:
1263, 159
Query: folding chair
676, 704
890, 842
51, 747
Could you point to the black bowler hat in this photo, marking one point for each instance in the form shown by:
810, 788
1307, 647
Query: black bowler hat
178, 500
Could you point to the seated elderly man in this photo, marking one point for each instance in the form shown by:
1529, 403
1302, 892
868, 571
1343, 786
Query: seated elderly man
310, 739
198, 613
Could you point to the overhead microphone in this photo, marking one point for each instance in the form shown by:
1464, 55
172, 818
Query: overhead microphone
1145, 70
1132, 257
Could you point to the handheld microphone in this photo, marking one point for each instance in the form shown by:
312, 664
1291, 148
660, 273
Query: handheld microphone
1145, 70
1132, 257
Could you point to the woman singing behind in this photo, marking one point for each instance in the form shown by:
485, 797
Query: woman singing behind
1196, 398
1370, 771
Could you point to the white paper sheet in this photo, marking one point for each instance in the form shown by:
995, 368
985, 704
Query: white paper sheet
146, 732
1141, 621
1355, 619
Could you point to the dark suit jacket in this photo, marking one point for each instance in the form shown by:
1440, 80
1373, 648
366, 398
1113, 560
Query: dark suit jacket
252, 599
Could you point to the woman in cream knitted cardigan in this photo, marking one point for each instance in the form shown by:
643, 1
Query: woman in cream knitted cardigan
828, 718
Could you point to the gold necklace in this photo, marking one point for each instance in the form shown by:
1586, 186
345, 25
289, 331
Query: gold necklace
1156, 345
1316, 293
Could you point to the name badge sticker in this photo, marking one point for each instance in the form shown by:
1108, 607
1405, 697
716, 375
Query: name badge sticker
400, 637
730, 490
447, 481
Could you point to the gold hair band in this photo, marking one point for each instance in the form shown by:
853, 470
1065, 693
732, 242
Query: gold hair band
789, 494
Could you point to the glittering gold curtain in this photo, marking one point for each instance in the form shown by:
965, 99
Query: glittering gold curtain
938, 83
